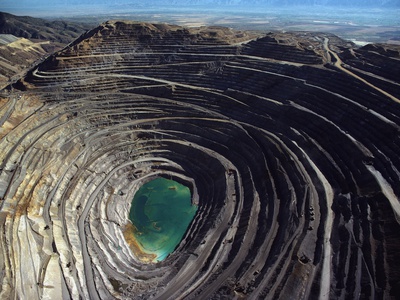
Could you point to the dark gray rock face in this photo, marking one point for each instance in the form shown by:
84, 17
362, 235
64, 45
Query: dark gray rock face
289, 143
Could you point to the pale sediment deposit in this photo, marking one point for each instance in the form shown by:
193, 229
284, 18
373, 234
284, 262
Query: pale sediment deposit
288, 143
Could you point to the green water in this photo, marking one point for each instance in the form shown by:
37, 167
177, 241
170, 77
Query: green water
161, 211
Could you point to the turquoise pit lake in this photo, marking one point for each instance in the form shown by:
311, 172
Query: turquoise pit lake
161, 212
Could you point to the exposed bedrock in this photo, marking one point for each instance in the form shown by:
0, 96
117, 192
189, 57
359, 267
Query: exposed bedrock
289, 144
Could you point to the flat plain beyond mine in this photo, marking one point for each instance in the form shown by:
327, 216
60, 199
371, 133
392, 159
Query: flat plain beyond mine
288, 142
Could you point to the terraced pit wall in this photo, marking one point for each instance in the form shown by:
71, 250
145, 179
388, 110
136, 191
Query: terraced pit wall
288, 142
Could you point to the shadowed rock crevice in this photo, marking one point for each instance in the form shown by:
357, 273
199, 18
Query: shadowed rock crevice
288, 142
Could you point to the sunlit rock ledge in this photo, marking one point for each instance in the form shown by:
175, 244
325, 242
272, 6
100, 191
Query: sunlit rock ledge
288, 142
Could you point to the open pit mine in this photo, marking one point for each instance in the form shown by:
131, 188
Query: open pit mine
284, 147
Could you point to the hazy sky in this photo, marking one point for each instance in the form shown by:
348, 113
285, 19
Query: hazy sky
50, 3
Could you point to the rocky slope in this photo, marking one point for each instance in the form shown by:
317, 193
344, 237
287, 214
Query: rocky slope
288, 142
37, 38
39, 29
